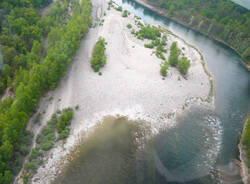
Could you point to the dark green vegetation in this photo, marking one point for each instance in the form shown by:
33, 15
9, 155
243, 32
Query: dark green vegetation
98, 58
31, 67
219, 19
148, 32
152, 33
246, 139
119, 8
159, 42
46, 139
182, 64
129, 26
164, 69
174, 54
125, 13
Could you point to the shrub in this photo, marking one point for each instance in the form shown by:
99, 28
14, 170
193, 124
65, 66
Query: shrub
119, 8
47, 145
164, 68
64, 120
47, 130
129, 26
77, 107
174, 54
149, 45
159, 50
98, 58
30, 166
125, 13
35, 153
64, 134
24, 150
183, 65
148, 32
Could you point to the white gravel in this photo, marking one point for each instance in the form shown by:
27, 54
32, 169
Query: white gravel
130, 85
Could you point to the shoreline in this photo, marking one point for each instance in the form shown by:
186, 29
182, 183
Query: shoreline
128, 87
245, 171
163, 13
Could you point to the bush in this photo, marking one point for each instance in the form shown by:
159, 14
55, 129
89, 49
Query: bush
174, 54
47, 145
35, 153
148, 32
64, 120
98, 58
183, 65
164, 68
119, 8
77, 107
24, 150
30, 166
64, 134
125, 13
47, 130
129, 26
149, 45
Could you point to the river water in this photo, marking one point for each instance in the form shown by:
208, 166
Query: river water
201, 149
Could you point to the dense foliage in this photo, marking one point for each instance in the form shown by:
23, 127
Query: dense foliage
148, 32
220, 19
183, 65
246, 139
98, 58
32, 67
174, 54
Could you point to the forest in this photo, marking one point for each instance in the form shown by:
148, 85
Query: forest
36, 51
222, 20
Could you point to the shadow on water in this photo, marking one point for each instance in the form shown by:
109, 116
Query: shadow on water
108, 155
123, 151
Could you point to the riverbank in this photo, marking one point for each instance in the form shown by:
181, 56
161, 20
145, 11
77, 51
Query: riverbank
130, 85
163, 13
245, 171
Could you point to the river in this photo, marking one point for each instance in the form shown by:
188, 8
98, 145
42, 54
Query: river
201, 147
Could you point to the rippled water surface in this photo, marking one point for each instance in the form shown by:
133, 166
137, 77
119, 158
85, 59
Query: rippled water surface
201, 146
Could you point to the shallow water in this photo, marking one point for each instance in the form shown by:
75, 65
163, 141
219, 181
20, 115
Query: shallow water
193, 151
108, 155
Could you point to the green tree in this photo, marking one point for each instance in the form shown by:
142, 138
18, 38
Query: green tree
98, 58
183, 65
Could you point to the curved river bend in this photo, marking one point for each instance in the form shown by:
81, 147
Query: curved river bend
200, 148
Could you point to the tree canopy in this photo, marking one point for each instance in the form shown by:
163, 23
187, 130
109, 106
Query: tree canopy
31, 67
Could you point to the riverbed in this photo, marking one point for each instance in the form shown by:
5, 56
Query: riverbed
192, 148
